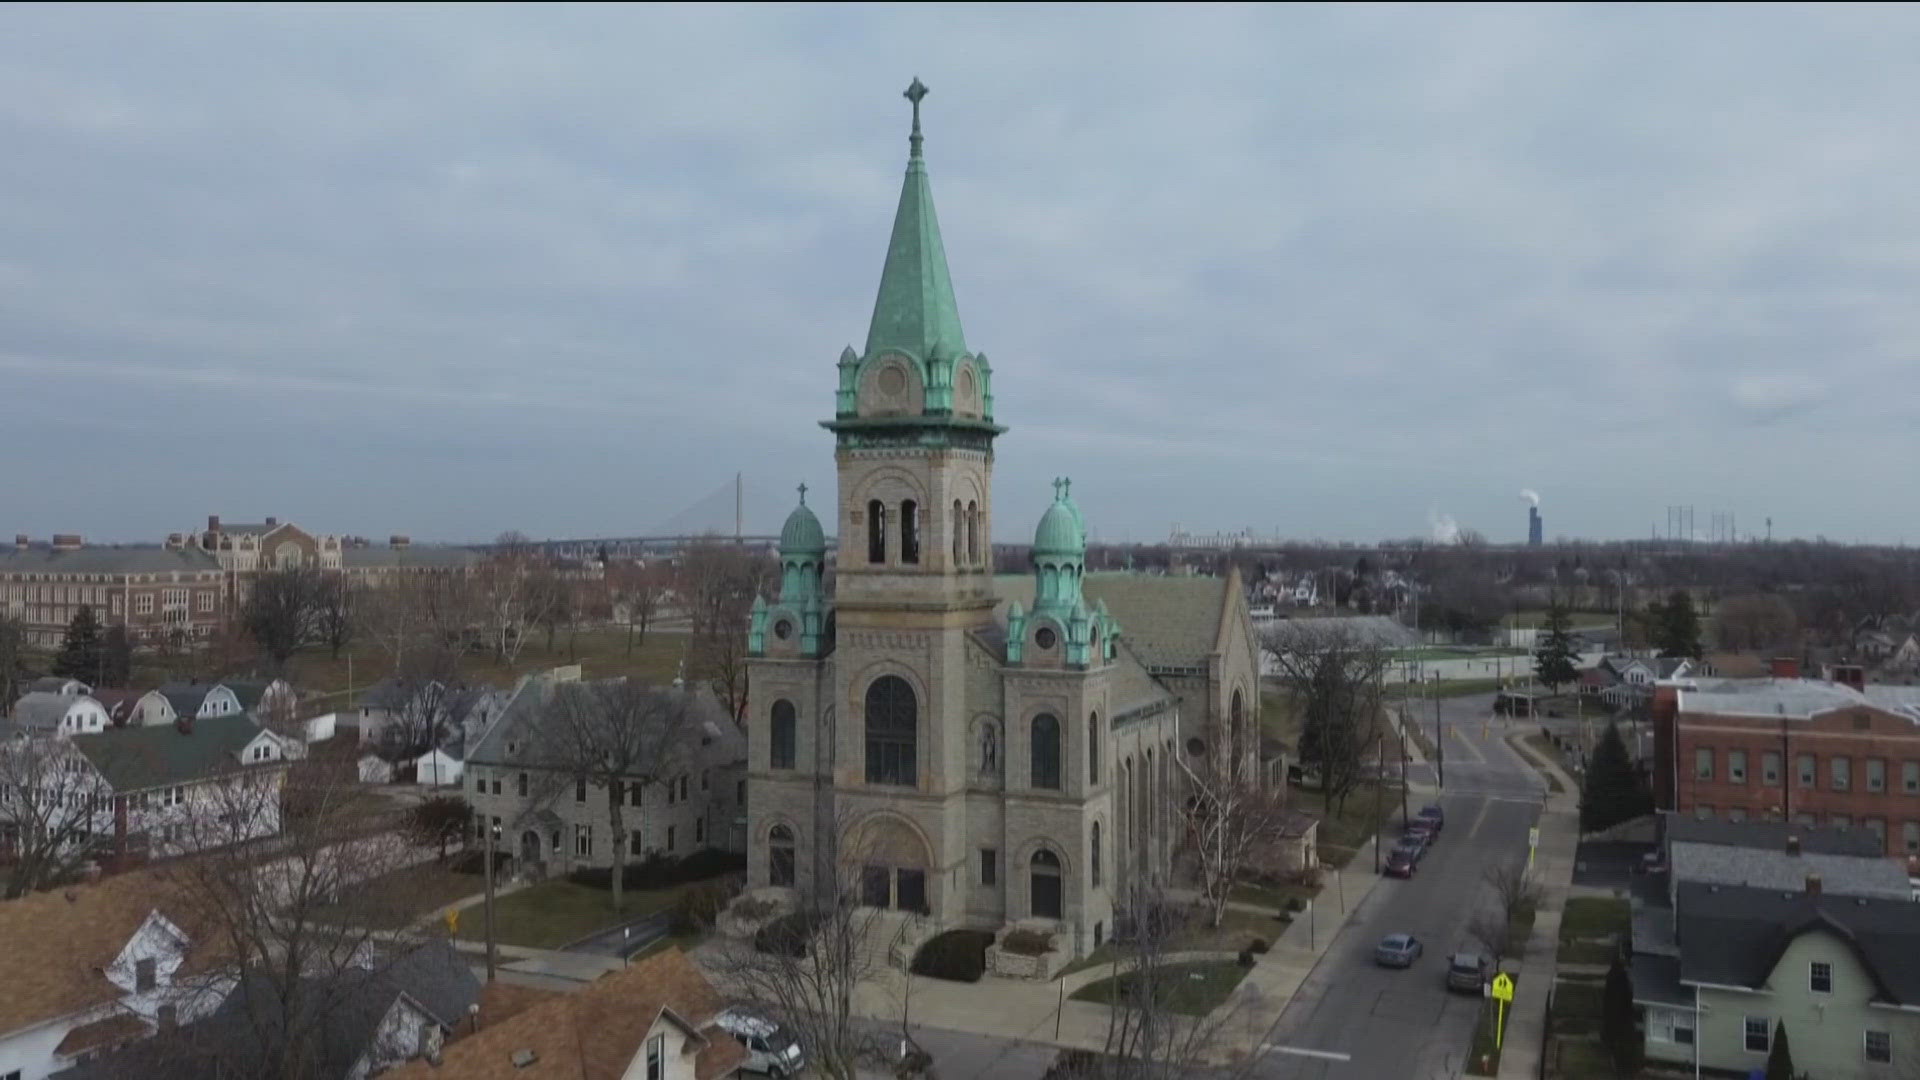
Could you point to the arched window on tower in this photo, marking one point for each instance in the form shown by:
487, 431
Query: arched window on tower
892, 732
1046, 752
909, 531
955, 525
876, 531
780, 745
1093, 749
1044, 885
780, 860
1093, 861
1237, 735
973, 533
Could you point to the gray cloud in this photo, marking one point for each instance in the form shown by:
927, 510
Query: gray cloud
450, 271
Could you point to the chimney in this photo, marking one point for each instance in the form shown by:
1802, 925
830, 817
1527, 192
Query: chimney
176, 541
272, 522
213, 522
1786, 667
1813, 884
399, 541
22, 541
1848, 674
1793, 845
67, 542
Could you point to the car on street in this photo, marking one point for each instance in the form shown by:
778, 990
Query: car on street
771, 1049
1418, 832
1403, 860
1397, 951
1433, 814
1468, 971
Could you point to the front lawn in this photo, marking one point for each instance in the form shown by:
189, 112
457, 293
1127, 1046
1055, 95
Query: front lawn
1594, 917
1189, 989
1237, 931
557, 913
402, 898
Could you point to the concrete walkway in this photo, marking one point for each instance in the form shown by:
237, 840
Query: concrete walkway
1553, 863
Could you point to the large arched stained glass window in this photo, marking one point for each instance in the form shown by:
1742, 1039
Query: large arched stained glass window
781, 744
1046, 752
892, 732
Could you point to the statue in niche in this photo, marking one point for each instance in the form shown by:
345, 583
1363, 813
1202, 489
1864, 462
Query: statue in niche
989, 751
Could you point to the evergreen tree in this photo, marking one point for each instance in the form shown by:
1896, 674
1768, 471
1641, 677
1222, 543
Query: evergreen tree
117, 665
82, 650
1675, 626
1780, 1058
1554, 663
1617, 1031
1613, 791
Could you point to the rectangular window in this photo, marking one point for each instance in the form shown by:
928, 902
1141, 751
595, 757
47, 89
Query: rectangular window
496, 785
1840, 771
1770, 768
684, 781
479, 783
699, 830
1840, 821
703, 779
113, 603
1880, 1047
670, 843
1703, 763
520, 785
1735, 813
1737, 766
583, 840
1806, 818
1703, 812
1820, 977
1759, 1034
1804, 765
1876, 774
740, 792
206, 601
1910, 777
144, 975
633, 843
579, 791
143, 604
989, 866
657, 1058
1910, 836
1878, 827
633, 794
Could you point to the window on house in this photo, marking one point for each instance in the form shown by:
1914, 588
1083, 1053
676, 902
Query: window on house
876, 531
520, 784
1703, 763
657, 1058
684, 778
1093, 858
1910, 777
1804, 765
144, 974
699, 830
1737, 766
1093, 748
669, 791
1770, 768
1842, 822
989, 866
909, 532
780, 860
143, 604
583, 840
206, 601
169, 1016
580, 790
670, 842
1046, 752
703, 779
634, 792
496, 785
1820, 977
1759, 1033
973, 532
1880, 1047
1878, 827
954, 527
1840, 771
740, 792
633, 843
1876, 774
1910, 836
479, 783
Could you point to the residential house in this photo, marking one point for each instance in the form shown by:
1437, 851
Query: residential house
653, 1020
552, 823
55, 684
151, 709
43, 713
120, 705
196, 784
94, 966
262, 699
368, 1018
201, 701
1840, 973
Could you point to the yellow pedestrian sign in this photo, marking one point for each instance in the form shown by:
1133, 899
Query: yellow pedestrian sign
1502, 991
453, 922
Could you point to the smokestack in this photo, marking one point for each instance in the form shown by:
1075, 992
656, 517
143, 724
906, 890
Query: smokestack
1535, 527
1813, 884
175, 541
1793, 845
1846, 674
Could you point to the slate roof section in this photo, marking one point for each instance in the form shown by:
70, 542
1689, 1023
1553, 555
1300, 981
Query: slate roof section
1656, 981
186, 698
143, 758
1170, 621
516, 725
247, 691
1772, 836
1847, 875
55, 684
107, 560
41, 711
1734, 936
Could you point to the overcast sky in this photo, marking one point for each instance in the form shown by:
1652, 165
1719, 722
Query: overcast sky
1339, 273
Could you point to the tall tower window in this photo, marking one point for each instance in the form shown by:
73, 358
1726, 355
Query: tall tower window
892, 732
1093, 749
973, 533
1093, 862
1044, 884
909, 531
780, 857
955, 525
876, 532
781, 745
1046, 752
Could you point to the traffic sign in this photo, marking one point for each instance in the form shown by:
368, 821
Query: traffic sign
1502, 993
1503, 986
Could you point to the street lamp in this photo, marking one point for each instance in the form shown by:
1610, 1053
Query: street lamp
493, 837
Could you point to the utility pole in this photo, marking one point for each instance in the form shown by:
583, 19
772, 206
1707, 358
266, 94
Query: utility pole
1403, 774
1379, 781
492, 830
1439, 737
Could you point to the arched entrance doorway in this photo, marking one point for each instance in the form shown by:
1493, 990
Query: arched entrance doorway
529, 848
892, 860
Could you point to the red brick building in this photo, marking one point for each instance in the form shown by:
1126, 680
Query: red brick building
1833, 751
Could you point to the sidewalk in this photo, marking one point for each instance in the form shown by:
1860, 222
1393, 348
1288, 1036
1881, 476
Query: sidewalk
1553, 863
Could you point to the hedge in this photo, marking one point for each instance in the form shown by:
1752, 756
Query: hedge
957, 955
788, 935
663, 871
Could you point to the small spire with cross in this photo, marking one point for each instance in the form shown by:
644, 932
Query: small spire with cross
1066, 487
803, 494
914, 93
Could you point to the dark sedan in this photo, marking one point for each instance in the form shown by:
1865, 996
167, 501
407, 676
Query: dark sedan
1397, 951
1402, 861
1433, 815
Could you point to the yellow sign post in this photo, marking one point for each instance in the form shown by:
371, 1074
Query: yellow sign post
453, 922
1502, 993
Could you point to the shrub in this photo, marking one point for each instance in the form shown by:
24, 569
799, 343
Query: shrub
752, 910
1295, 904
1258, 946
789, 935
1027, 942
1246, 958
697, 906
1078, 1065
659, 871
475, 862
957, 955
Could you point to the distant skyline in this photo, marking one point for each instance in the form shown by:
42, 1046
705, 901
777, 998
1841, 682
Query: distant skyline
1349, 273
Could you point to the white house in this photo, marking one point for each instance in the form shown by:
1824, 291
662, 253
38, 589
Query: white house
262, 699
197, 784
90, 968
375, 769
437, 768
202, 701
44, 713
151, 710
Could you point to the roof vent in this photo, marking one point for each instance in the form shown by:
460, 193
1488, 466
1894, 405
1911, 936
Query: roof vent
1793, 845
1813, 884
523, 1058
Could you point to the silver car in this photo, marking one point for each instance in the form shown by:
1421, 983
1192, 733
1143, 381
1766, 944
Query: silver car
1397, 951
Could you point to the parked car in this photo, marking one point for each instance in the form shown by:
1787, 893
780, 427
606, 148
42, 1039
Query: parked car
1418, 833
1435, 815
1397, 951
1402, 861
1468, 971
771, 1049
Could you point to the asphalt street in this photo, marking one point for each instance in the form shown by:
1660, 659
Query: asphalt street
1353, 1018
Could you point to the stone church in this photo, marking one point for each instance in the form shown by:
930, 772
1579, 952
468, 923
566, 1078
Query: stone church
983, 751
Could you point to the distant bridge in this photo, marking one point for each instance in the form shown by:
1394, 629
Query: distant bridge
721, 514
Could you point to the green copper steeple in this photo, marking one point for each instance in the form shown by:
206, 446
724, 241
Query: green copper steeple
915, 312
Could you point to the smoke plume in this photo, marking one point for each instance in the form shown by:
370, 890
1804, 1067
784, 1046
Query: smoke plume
1531, 496
1445, 529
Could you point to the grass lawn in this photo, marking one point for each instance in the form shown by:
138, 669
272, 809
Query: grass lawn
1272, 896
559, 912
1576, 1007
1484, 1058
1344, 833
402, 898
1235, 932
1189, 989
1581, 1058
1596, 953
1594, 917
1546, 750
1444, 652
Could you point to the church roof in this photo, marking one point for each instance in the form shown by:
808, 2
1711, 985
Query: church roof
915, 310
802, 535
1168, 621
1060, 531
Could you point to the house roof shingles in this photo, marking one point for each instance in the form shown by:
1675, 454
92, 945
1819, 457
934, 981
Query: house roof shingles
41, 559
1170, 621
141, 758
1734, 936
42, 711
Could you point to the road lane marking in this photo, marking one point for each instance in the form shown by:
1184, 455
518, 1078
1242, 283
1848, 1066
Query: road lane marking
1480, 818
1478, 757
1301, 1051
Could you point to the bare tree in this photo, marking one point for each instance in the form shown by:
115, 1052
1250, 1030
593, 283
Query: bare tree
421, 712
636, 590
1513, 893
718, 582
510, 594
51, 803
13, 657
1333, 677
281, 609
416, 611
1229, 820
334, 612
616, 735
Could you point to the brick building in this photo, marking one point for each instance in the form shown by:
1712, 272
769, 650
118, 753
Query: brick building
1834, 751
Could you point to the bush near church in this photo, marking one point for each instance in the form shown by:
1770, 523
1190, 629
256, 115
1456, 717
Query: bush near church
957, 955
659, 871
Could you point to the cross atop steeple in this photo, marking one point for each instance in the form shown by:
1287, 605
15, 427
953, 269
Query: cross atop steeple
914, 93
803, 494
